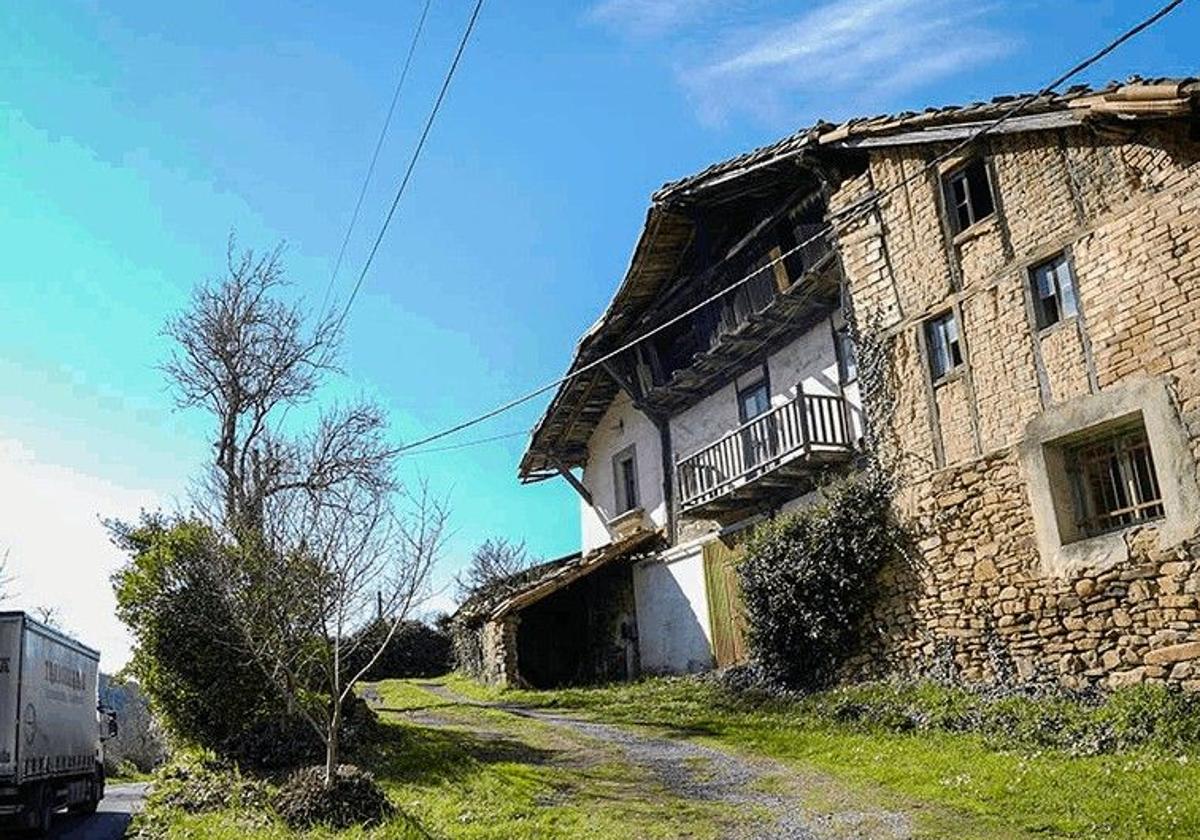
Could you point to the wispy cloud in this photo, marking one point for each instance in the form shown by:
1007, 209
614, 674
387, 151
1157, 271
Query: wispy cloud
647, 18
841, 54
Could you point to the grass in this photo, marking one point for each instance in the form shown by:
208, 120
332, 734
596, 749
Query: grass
482, 773
1146, 792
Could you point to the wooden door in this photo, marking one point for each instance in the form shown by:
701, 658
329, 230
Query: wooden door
726, 611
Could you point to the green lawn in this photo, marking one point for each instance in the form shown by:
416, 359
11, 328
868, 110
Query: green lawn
1134, 794
461, 771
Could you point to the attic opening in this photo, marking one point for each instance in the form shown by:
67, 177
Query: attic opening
772, 253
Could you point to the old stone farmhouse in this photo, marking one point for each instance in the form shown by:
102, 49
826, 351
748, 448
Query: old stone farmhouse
1026, 316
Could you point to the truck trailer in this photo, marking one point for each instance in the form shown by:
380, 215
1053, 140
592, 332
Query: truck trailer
52, 728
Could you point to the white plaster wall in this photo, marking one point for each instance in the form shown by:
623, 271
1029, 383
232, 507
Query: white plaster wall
621, 426
674, 634
811, 359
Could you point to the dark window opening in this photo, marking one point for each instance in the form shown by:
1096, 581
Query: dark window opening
945, 348
1053, 288
625, 480
968, 193
1114, 482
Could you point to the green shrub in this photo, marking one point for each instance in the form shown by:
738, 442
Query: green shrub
415, 650
1139, 717
808, 579
354, 798
198, 783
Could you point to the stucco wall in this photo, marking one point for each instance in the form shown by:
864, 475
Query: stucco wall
984, 592
674, 634
621, 426
810, 359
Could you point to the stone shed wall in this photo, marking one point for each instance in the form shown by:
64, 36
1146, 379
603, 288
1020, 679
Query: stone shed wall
987, 595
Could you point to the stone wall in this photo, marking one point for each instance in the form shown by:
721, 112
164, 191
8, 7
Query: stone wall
981, 597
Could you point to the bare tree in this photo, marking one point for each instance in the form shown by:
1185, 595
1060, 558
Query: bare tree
317, 537
241, 354
492, 564
331, 564
50, 616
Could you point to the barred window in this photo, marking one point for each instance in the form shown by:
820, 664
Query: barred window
1114, 482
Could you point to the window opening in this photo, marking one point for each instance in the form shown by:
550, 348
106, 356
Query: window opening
1115, 482
945, 348
625, 480
1053, 291
969, 194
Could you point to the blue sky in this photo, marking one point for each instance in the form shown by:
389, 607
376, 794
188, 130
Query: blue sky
134, 136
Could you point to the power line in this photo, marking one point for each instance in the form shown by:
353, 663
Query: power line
469, 443
387, 121
412, 162
857, 208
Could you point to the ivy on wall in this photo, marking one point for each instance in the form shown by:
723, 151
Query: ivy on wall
808, 578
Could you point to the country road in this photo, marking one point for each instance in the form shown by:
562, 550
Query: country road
120, 803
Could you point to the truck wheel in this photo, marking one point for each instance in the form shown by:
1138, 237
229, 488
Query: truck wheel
43, 815
88, 806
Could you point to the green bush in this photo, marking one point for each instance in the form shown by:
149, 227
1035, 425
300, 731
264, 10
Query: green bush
808, 579
186, 644
354, 798
198, 783
415, 650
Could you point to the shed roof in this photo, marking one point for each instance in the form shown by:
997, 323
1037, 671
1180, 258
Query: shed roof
544, 580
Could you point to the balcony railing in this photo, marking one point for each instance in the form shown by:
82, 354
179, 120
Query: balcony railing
807, 425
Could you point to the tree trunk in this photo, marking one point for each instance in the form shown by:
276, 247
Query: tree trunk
331, 747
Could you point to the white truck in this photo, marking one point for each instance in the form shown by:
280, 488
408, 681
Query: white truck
51, 726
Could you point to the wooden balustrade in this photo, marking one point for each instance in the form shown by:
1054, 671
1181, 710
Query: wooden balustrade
808, 423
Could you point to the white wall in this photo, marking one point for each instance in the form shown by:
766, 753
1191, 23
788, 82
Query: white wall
810, 359
621, 426
674, 634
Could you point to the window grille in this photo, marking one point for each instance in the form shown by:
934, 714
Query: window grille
1115, 482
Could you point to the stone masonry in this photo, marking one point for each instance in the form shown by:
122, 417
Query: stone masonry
981, 595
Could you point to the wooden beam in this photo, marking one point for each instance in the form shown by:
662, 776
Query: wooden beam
583, 492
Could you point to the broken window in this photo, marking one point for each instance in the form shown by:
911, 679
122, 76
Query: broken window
1114, 481
968, 191
1053, 289
625, 480
945, 349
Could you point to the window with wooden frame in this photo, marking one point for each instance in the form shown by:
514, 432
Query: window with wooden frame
968, 193
1114, 481
754, 399
1053, 287
944, 345
625, 480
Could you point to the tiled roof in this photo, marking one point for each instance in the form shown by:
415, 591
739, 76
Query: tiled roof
1133, 97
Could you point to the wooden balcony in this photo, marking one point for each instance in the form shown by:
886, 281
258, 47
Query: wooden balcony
771, 456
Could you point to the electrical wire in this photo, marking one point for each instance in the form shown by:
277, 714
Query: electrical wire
858, 208
469, 443
412, 162
387, 121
